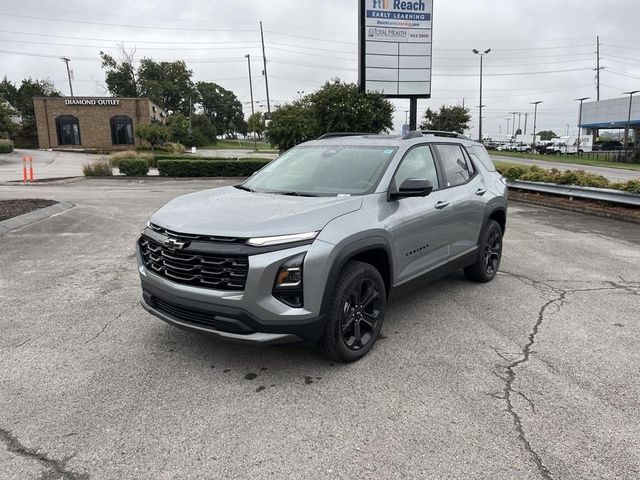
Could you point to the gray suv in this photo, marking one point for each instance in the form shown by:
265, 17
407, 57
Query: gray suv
314, 245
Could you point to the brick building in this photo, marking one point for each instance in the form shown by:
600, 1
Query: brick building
92, 123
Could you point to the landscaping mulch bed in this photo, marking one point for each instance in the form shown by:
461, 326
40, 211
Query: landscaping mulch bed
13, 208
589, 207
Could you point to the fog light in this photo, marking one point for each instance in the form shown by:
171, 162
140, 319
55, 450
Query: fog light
288, 283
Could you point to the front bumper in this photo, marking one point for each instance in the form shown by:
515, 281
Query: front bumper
250, 316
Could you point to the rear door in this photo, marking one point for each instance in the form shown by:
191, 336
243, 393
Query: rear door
465, 190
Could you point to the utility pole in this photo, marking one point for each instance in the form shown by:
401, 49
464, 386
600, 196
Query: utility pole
190, 128
266, 78
255, 142
526, 118
519, 121
598, 68
66, 61
581, 100
535, 120
480, 54
513, 125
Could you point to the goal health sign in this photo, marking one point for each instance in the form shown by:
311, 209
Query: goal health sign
395, 47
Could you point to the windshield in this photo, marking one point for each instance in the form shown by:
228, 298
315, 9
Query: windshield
323, 171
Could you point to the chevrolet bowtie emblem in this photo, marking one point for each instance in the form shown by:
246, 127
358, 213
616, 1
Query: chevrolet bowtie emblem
173, 244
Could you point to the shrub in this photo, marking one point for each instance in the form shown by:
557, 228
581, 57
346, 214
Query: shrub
173, 147
512, 172
114, 158
208, 168
134, 167
99, 168
6, 146
631, 186
153, 134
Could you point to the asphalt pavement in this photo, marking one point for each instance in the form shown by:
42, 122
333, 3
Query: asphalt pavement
613, 174
532, 376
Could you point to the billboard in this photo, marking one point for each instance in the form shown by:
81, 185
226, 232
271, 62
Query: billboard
395, 47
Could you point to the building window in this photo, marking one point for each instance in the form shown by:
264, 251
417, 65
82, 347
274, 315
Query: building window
121, 130
68, 129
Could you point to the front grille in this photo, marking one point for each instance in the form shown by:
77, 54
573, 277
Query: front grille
206, 270
198, 317
189, 236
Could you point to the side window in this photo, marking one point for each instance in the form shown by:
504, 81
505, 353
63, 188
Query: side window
454, 163
418, 163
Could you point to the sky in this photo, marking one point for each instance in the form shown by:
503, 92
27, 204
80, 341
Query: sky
541, 50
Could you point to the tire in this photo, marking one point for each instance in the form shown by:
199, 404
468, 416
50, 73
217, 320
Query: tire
489, 255
356, 313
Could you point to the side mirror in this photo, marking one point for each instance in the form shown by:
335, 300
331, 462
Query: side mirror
411, 187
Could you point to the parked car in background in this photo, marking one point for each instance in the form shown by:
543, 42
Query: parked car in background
608, 145
522, 148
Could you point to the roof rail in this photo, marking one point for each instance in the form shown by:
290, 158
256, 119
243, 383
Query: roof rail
342, 134
440, 133
414, 134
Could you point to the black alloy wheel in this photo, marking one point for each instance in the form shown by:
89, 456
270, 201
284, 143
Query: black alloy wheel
360, 314
492, 252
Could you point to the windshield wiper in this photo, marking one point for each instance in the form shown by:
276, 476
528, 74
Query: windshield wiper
242, 187
295, 194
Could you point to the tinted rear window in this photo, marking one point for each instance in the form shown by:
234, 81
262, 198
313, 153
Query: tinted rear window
480, 153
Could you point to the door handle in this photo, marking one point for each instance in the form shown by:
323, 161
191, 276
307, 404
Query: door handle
440, 205
481, 191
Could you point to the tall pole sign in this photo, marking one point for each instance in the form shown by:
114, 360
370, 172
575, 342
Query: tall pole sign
395, 49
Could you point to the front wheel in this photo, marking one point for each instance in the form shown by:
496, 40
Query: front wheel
356, 313
489, 255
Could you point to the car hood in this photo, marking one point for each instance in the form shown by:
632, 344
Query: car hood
231, 212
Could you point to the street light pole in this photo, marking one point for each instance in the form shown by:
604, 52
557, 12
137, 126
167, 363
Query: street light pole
626, 131
480, 54
66, 61
581, 100
535, 120
513, 125
255, 141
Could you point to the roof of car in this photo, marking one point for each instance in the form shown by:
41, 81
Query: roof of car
356, 139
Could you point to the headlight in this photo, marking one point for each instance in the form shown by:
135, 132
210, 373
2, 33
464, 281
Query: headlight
287, 286
281, 239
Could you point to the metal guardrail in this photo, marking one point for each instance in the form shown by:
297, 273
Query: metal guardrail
589, 193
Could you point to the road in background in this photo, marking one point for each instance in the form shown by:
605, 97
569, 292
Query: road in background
534, 375
613, 174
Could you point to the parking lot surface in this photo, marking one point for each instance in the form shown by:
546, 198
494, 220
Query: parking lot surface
533, 376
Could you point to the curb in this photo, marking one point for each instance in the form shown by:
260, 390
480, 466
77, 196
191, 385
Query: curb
32, 217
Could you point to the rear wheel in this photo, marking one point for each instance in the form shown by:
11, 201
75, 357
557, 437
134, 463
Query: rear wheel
356, 313
489, 254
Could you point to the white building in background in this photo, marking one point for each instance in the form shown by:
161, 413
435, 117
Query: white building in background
611, 114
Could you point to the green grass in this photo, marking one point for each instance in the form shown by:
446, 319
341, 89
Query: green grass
241, 144
571, 159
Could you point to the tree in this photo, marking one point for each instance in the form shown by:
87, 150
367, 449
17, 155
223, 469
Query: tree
291, 124
7, 127
203, 131
336, 107
179, 126
222, 107
121, 77
153, 133
8, 91
21, 99
547, 135
168, 84
255, 123
448, 119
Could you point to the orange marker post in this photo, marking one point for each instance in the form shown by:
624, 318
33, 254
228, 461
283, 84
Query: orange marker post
30, 170
24, 170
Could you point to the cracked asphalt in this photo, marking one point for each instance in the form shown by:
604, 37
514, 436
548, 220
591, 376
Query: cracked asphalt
533, 376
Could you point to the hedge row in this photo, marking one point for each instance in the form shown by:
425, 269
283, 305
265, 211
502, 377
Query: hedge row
208, 168
6, 146
134, 167
567, 177
163, 156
